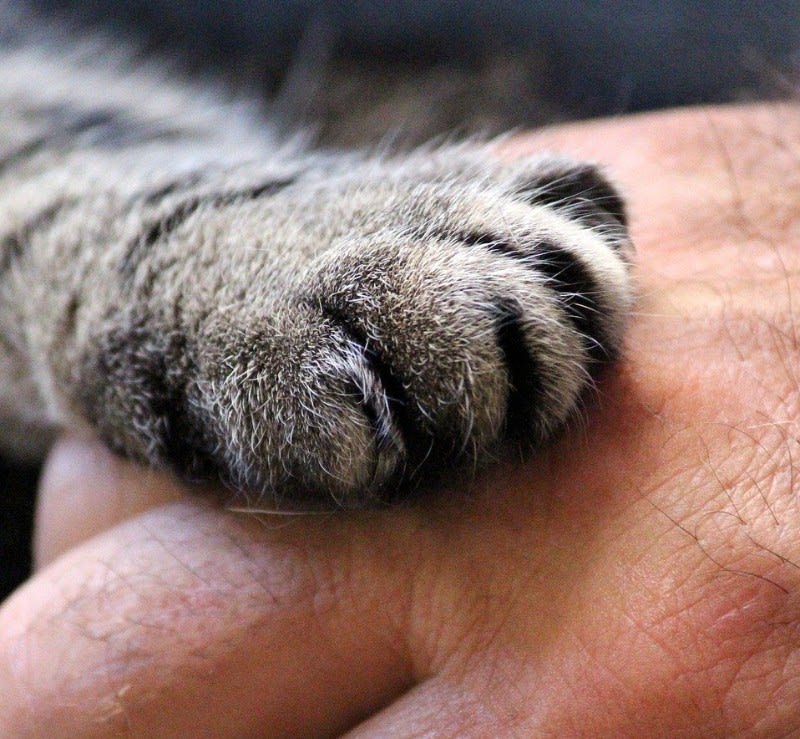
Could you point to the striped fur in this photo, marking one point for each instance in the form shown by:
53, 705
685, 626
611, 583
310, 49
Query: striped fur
312, 328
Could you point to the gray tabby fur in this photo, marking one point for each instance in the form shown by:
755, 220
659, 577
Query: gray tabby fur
310, 327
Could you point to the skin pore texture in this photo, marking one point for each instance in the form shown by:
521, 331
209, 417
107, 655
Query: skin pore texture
640, 577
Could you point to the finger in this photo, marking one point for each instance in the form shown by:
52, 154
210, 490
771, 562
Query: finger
85, 489
186, 621
441, 708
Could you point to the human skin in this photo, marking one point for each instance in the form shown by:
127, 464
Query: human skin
640, 577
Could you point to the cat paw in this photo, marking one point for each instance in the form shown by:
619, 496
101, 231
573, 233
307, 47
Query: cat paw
477, 311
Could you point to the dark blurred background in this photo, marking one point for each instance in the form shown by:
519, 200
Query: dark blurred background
600, 56
427, 66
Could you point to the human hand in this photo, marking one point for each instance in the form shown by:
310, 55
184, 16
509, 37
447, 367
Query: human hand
641, 577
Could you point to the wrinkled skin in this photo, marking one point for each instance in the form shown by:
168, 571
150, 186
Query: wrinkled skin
639, 578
